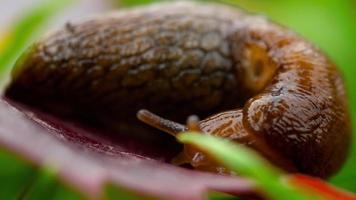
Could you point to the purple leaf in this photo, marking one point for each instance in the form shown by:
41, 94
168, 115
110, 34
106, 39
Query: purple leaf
87, 161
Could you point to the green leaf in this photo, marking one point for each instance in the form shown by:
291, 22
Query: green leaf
25, 30
245, 162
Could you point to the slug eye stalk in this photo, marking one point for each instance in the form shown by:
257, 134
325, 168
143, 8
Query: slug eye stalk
168, 126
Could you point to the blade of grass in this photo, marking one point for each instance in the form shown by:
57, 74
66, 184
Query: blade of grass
21, 34
246, 162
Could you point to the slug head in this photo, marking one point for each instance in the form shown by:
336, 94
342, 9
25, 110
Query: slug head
190, 154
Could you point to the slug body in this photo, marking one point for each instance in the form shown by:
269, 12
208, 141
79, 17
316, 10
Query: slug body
279, 94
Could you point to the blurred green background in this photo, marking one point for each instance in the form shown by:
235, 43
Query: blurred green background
330, 24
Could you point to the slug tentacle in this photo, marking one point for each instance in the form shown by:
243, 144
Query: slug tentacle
269, 89
193, 124
160, 123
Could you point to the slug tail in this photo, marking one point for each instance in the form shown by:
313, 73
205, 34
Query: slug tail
160, 123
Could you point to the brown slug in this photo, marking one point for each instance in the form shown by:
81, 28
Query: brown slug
271, 89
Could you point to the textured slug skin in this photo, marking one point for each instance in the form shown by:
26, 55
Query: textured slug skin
280, 94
